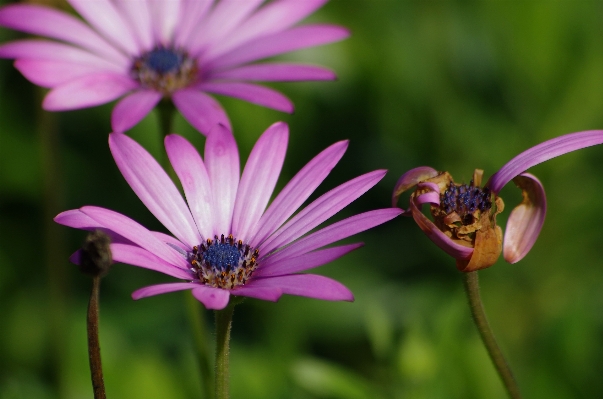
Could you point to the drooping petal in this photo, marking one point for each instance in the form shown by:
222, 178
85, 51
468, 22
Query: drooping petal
159, 289
526, 220
295, 264
321, 209
308, 285
154, 187
54, 73
222, 162
297, 191
136, 256
543, 152
258, 180
212, 298
88, 91
78, 220
193, 176
411, 179
200, 110
133, 108
252, 93
273, 72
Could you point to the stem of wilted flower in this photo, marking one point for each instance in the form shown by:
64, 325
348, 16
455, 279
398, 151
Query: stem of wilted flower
479, 317
223, 326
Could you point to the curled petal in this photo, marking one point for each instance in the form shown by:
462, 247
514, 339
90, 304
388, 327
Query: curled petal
526, 220
411, 179
486, 250
212, 298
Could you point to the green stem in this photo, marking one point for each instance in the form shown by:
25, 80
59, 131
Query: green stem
166, 111
223, 326
198, 325
94, 355
479, 317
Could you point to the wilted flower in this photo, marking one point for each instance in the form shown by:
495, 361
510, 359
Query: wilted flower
464, 215
153, 50
226, 241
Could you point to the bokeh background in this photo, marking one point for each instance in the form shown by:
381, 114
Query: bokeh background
456, 85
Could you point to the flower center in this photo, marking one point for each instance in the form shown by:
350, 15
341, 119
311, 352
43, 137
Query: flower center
223, 262
465, 200
165, 69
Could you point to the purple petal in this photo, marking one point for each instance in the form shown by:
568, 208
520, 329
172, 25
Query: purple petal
164, 19
136, 256
154, 187
303, 262
53, 73
526, 220
258, 180
200, 110
48, 22
162, 289
252, 93
88, 91
191, 13
212, 298
411, 179
172, 242
78, 220
297, 191
321, 209
138, 17
308, 285
279, 43
222, 162
543, 152
193, 176
133, 108
266, 294
273, 72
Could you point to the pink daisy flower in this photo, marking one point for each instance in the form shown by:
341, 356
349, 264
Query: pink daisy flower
146, 51
464, 215
227, 241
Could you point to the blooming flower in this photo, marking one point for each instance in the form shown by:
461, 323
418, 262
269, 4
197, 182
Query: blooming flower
153, 50
226, 241
464, 215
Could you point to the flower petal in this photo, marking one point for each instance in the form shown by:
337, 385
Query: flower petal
411, 179
258, 180
200, 110
252, 93
308, 285
78, 220
212, 298
88, 91
191, 13
54, 73
136, 256
526, 220
297, 191
264, 293
165, 16
159, 289
193, 176
138, 17
222, 162
154, 187
543, 152
273, 72
133, 108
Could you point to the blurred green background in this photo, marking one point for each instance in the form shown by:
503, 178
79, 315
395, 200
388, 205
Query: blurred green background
456, 85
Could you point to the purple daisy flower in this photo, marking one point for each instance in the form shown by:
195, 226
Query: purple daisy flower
464, 215
227, 241
146, 51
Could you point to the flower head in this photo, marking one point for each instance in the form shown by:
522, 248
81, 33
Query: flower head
146, 51
464, 215
227, 241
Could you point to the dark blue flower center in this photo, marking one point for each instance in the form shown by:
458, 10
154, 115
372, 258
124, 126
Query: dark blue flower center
163, 60
465, 200
220, 256
165, 69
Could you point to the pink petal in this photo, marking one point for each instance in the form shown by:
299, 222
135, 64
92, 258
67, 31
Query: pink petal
266, 293
308, 285
133, 108
154, 188
200, 110
88, 91
303, 262
272, 72
165, 16
191, 13
54, 73
222, 162
321, 209
48, 22
193, 176
297, 191
162, 289
171, 241
258, 180
543, 152
136, 256
279, 43
411, 179
138, 17
252, 93
526, 220
212, 298
78, 220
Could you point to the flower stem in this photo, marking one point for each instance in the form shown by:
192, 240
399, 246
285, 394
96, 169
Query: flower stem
96, 368
198, 326
479, 317
223, 326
